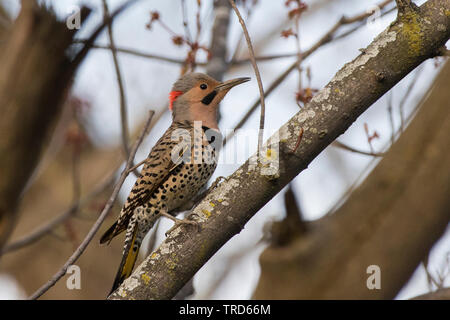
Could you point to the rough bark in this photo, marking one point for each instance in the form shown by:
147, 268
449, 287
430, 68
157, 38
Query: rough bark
225, 210
34, 77
391, 220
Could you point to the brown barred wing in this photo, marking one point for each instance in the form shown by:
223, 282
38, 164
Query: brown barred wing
158, 167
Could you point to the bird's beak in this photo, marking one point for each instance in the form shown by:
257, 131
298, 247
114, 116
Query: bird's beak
227, 85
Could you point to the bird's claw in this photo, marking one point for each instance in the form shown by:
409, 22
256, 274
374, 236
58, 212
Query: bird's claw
178, 222
217, 181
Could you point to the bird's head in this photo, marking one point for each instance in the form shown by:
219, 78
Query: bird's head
196, 97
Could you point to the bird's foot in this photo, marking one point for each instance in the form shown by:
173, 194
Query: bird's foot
217, 182
178, 222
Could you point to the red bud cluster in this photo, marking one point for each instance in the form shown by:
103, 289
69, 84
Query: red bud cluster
154, 16
305, 95
299, 8
287, 33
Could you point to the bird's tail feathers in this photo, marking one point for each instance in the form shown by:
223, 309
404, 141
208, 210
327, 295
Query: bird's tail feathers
113, 231
109, 234
128, 260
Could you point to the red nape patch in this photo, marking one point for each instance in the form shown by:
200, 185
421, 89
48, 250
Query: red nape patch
173, 95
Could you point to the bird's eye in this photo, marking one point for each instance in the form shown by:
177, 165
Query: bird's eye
203, 86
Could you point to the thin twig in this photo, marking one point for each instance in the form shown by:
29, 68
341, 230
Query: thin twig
406, 96
272, 87
46, 228
299, 140
136, 52
430, 278
198, 21
341, 145
325, 39
100, 219
187, 33
234, 62
76, 183
391, 116
217, 65
404, 6
140, 163
257, 74
123, 100
299, 51
366, 14
123, 105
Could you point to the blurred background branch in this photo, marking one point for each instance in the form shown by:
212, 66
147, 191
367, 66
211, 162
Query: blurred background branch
391, 220
33, 84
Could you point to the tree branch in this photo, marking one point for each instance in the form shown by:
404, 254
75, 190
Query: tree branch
227, 208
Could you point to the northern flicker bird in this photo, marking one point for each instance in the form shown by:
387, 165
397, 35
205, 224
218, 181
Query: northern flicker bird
177, 167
